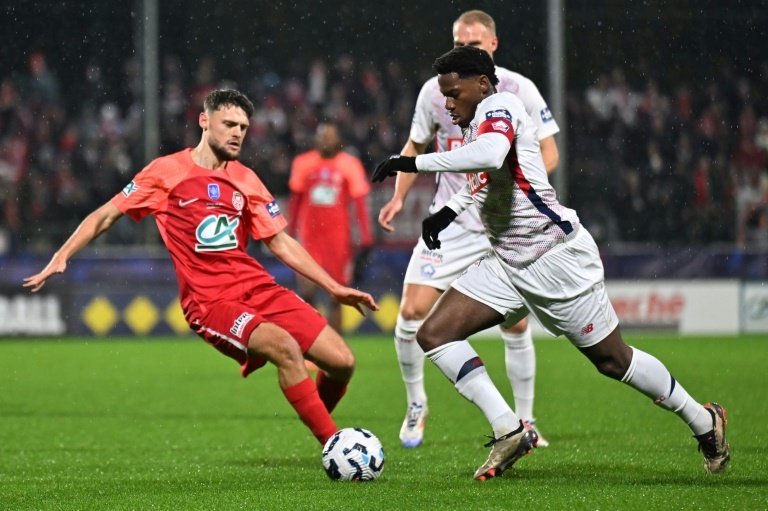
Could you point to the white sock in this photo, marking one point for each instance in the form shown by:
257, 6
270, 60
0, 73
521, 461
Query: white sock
460, 363
410, 356
520, 358
648, 375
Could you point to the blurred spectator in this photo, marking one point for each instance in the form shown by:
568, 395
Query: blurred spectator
663, 164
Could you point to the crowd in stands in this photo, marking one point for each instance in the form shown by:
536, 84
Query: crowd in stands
680, 164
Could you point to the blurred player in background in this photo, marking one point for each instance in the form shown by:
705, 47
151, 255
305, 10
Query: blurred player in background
543, 261
325, 183
206, 205
431, 271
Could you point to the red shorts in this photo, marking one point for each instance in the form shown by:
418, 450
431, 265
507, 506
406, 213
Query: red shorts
227, 325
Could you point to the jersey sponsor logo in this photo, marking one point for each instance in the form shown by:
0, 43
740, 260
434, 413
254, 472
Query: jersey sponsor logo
238, 202
273, 209
130, 188
499, 113
216, 233
185, 203
478, 181
213, 191
431, 256
500, 126
546, 115
239, 325
324, 195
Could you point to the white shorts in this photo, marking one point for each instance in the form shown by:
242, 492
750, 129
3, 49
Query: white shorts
564, 290
459, 248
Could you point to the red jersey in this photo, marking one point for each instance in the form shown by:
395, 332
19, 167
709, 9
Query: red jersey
324, 190
205, 217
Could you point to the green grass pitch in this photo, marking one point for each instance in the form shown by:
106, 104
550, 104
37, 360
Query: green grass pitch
169, 424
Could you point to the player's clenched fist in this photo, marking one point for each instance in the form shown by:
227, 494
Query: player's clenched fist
392, 165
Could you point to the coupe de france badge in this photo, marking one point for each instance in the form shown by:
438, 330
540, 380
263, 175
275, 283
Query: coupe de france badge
238, 201
213, 191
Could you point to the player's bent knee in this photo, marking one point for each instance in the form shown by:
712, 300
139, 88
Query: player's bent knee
517, 328
612, 368
413, 312
428, 337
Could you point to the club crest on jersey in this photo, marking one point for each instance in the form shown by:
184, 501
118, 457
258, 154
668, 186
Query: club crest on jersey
130, 188
500, 126
478, 181
213, 191
499, 113
273, 209
238, 202
216, 233
427, 271
546, 115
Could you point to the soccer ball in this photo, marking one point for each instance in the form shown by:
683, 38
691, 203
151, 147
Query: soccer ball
353, 454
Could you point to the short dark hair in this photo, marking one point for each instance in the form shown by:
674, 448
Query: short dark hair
227, 97
466, 61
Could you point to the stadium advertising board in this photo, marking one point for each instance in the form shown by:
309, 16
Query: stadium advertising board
754, 307
22, 313
687, 307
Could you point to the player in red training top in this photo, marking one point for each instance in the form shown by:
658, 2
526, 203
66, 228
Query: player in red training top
324, 183
206, 204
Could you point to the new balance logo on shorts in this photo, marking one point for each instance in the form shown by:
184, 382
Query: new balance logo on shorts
239, 325
587, 329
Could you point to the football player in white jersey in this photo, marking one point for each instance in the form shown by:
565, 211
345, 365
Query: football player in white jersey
431, 271
542, 262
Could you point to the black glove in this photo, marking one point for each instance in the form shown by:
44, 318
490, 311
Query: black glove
433, 224
392, 165
362, 259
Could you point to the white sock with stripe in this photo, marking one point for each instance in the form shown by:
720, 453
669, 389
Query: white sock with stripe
648, 375
460, 363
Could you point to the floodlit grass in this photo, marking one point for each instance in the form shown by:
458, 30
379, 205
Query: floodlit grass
150, 424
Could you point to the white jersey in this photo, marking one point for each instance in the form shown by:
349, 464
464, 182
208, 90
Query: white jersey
431, 120
508, 183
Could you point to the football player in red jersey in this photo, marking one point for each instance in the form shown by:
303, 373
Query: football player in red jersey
325, 183
206, 205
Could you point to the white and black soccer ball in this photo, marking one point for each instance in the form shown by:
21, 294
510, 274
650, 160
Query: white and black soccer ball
353, 454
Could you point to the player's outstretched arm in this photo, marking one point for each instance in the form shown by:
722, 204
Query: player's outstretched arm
403, 184
94, 225
290, 252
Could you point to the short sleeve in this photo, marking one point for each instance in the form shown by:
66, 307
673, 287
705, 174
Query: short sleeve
422, 125
537, 108
146, 194
266, 217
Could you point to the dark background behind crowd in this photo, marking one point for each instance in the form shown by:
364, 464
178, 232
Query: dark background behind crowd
667, 105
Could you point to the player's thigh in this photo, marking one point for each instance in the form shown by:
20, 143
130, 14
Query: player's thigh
455, 317
275, 344
330, 352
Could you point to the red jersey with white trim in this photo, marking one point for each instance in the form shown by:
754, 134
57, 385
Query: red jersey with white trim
205, 217
326, 188
517, 204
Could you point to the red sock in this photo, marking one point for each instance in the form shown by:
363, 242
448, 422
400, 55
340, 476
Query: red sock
306, 401
331, 391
